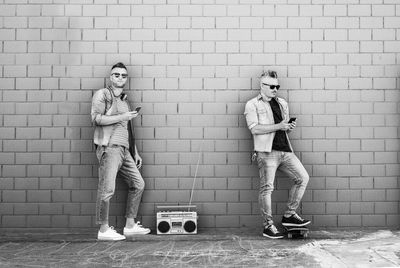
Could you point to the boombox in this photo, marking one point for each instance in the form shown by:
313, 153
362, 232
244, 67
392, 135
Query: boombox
176, 220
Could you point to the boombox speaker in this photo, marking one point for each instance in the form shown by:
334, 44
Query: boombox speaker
176, 220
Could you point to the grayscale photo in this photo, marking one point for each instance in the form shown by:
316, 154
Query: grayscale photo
200, 133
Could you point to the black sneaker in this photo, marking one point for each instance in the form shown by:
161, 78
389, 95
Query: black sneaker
270, 231
294, 220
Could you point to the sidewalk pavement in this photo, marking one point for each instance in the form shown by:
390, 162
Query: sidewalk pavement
208, 248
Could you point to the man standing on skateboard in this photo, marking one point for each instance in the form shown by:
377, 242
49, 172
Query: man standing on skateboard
267, 118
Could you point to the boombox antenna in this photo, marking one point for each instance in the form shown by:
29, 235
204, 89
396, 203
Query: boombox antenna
195, 174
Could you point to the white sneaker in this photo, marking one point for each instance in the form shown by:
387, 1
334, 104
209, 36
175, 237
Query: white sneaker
110, 235
136, 229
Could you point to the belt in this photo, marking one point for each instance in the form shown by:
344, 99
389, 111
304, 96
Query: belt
110, 146
114, 146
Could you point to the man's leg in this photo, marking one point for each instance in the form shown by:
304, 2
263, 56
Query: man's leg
267, 164
110, 159
131, 175
292, 166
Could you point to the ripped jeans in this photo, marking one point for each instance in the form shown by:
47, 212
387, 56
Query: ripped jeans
115, 160
268, 163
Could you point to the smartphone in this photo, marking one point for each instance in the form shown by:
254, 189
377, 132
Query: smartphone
137, 109
292, 119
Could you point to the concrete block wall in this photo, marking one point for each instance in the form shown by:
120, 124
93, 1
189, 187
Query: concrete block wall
193, 64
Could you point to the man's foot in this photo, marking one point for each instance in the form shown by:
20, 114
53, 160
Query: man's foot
270, 231
110, 235
136, 229
294, 220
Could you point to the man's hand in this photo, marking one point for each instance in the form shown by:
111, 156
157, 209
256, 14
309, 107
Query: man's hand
265, 129
284, 125
138, 161
128, 115
114, 119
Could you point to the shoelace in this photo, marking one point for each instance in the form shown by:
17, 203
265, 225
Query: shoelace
139, 225
273, 229
112, 229
298, 217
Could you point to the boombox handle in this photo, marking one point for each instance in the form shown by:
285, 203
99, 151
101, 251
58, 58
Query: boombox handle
176, 207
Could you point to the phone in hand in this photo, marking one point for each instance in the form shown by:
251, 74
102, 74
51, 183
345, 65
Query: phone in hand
137, 109
292, 119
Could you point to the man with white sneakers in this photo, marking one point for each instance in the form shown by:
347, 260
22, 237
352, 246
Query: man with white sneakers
117, 155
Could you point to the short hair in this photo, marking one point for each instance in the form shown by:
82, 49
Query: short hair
269, 73
119, 65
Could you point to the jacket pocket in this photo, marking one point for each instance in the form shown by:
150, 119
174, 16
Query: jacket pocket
263, 116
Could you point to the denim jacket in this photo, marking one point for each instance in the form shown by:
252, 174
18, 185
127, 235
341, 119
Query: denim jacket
259, 112
103, 104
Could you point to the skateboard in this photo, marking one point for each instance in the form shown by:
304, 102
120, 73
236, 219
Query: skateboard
296, 232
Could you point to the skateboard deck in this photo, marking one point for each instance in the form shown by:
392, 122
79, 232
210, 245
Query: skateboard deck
296, 232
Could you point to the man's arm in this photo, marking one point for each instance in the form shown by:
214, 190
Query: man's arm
98, 110
112, 119
260, 129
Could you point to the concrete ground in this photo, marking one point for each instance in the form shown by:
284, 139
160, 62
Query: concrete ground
209, 248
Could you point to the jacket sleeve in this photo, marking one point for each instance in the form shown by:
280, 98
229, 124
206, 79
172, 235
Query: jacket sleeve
98, 107
250, 111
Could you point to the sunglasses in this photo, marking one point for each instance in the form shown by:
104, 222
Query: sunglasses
116, 75
272, 86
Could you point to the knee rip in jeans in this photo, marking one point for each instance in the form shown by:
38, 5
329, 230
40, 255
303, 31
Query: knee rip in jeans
107, 195
141, 188
302, 180
106, 198
138, 187
267, 189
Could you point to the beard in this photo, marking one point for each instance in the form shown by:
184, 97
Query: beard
119, 85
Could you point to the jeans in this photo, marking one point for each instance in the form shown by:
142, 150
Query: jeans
268, 163
117, 160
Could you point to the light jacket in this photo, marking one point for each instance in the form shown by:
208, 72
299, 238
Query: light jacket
103, 104
258, 112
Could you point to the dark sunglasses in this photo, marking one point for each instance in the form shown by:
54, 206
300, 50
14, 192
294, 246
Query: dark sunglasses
272, 86
116, 75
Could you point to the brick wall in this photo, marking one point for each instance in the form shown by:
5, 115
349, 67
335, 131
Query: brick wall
193, 64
